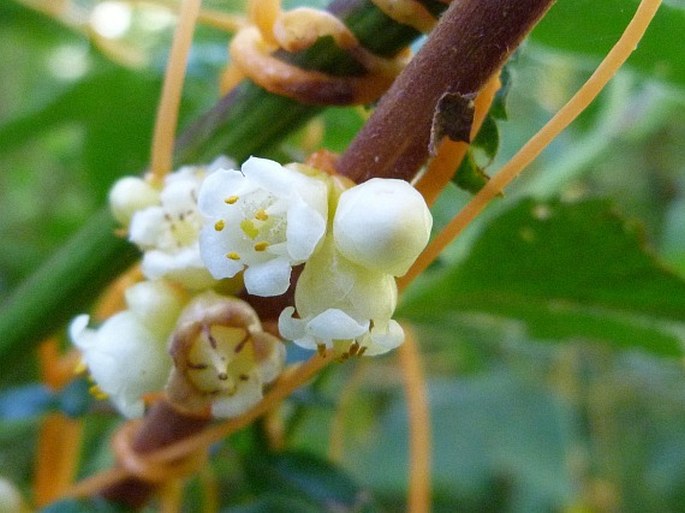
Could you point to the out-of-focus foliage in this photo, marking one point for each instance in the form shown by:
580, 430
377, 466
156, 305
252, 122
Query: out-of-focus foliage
594, 261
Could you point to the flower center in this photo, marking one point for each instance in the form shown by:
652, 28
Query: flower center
219, 359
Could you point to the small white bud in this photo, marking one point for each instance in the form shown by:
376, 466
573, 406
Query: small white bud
130, 194
382, 224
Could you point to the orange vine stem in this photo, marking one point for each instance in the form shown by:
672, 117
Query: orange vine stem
161, 160
419, 496
59, 438
579, 102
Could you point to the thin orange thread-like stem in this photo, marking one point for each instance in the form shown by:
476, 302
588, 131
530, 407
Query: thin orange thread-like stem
59, 445
419, 496
442, 167
59, 438
170, 495
336, 444
579, 102
163, 138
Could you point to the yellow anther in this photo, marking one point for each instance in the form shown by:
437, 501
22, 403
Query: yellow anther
233, 255
97, 392
261, 245
80, 367
248, 228
261, 215
231, 200
219, 225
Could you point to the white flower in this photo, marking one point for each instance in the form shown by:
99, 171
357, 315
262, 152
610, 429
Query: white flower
341, 303
127, 356
222, 357
11, 500
263, 219
166, 226
382, 224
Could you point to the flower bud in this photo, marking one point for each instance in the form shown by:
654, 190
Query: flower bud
130, 194
382, 224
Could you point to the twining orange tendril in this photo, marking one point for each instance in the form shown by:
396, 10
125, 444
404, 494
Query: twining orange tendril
137, 464
296, 30
210, 490
146, 464
442, 167
579, 102
167, 115
407, 12
336, 445
419, 497
221, 20
171, 496
59, 438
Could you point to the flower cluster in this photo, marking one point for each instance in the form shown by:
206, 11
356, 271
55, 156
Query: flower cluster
205, 225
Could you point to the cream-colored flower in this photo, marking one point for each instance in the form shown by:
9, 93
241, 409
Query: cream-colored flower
165, 223
262, 219
222, 357
382, 224
342, 304
126, 356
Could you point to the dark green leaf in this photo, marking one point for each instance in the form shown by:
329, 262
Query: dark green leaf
470, 176
591, 28
565, 271
487, 139
319, 482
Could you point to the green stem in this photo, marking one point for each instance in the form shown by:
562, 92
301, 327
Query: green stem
247, 121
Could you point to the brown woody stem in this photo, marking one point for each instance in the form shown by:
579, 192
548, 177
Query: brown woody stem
162, 426
471, 42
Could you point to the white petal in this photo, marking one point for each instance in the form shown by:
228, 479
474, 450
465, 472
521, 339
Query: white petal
386, 339
217, 187
80, 335
248, 394
269, 175
382, 224
334, 324
147, 227
213, 249
305, 229
289, 327
271, 278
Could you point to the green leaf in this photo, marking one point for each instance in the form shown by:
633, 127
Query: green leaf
564, 271
470, 176
311, 478
590, 28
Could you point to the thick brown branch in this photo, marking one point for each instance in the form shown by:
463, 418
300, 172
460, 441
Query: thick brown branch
471, 42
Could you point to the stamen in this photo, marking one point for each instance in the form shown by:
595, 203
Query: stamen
354, 348
261, 246
321, 349
261, 215
233, 255
231, 200
219, 225
97, 392
80, 367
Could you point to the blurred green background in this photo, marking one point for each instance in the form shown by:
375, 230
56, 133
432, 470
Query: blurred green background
552, 331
